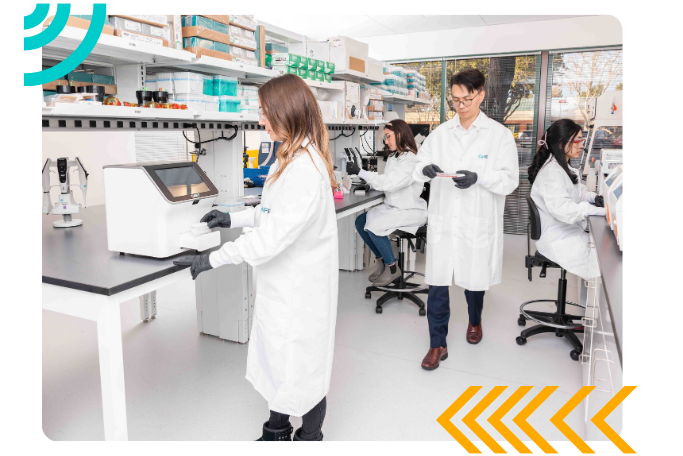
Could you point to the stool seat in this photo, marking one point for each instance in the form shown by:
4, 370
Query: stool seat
541, 257
421, 231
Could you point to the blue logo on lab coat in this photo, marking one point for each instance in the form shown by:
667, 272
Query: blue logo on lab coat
265, 209
483, 156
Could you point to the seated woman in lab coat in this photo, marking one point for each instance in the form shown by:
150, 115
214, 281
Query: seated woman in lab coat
563, 201
402, 208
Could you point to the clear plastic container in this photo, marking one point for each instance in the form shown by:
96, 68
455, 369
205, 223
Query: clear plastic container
248, 91
229, 103
192, 100
165, 81
208, 85
151, 82
211, 103
187, 82
225, 86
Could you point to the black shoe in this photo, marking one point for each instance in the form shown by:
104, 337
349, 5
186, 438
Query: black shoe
297, 436
276, 434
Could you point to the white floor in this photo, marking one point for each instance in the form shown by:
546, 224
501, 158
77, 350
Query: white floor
182, 385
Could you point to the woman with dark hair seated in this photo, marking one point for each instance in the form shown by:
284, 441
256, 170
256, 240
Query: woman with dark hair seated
563, 201
402, 208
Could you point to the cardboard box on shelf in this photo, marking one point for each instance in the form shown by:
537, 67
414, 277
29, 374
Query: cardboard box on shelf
176, 32
223, 19
205, 32
141, 28
375, 116
243, 21
160, 20
139, 38
374, 69
351, 92
348, 54
200, 51
81, 24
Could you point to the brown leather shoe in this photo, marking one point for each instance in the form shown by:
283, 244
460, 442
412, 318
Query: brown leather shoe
434, 355
474, 333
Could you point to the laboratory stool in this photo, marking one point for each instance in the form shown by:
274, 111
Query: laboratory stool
401, 287
559, 322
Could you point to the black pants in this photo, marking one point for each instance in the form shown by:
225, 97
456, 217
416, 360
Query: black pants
439, 312
311, 429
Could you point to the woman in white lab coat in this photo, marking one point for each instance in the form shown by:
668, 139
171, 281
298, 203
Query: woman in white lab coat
402, 208
563, 201
293, 245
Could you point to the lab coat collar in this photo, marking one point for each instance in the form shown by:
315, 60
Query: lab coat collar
480, 122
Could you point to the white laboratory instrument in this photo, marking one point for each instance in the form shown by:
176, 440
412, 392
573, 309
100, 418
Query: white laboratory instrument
609, 181
611, 197
153, 209
67, 205
615, 210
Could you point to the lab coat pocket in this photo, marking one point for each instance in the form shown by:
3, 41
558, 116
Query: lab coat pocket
570, 252
434, 228
480, 232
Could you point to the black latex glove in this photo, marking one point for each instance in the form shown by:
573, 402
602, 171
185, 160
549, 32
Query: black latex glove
352, 168
599, 201
364, 186
217, 219
197, 263
431, 170
466, 181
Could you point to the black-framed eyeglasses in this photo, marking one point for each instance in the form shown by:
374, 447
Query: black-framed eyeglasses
466, 102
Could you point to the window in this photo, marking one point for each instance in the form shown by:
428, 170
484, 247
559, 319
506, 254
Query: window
575, 81
511, 98
427, 114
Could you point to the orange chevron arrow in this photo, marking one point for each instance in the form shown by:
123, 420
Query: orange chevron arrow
520, 419
558, 419
470, 419
445, 419
599, 419
497, 416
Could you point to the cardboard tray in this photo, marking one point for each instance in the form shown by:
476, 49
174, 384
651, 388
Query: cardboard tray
199, 51
144, 21
81, 24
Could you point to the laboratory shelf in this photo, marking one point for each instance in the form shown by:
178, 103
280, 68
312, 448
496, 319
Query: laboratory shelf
354, 76
116, 112
325, 85
212, 65
403, 99
114, 50
364, 122
226, 117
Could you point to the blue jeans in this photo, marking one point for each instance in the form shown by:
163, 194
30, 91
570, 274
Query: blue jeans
380, 245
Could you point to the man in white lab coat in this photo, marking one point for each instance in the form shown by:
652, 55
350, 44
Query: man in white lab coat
465, 225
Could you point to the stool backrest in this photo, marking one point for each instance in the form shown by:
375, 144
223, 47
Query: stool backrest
534, 219
425, 192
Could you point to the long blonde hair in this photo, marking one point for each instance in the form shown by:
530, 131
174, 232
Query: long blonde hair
295, 115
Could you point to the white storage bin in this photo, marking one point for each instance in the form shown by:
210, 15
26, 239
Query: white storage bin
164, 81
211, 103
151, 82
192, 100
187, 82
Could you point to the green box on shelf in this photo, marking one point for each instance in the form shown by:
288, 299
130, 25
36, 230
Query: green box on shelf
320, 65
303, 73
285, 59
102, 79
328, 77
320, 76
329, 67
311, 64
79, 76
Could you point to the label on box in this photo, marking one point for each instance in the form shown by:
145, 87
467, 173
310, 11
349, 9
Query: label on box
157, 31
245, 61
243, 22
141, 38
235, 30
336, 43
151, 18
243, 42
133, 26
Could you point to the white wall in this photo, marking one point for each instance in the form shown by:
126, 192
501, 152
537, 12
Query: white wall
530, 36
95, 150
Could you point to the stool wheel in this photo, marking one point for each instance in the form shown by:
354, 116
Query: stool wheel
522, 340
378, 309
521, 321
558, 335
574, 354
423, 312
368, 295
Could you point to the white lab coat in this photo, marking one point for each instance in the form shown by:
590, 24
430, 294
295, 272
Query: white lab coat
294, 245
465, 228
563, 207
402, 208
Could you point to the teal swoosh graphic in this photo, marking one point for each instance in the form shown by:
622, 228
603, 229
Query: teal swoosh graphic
37, 16
75, 59
51, 32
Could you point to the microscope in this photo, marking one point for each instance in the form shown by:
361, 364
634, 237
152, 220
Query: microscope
67, 205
